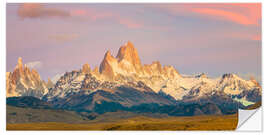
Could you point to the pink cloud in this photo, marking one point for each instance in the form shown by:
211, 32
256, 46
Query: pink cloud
240, 13
241, 35
36, 10
230, 35
129, 23
226, 15
92, 14
78, 12
257, 37
101, 15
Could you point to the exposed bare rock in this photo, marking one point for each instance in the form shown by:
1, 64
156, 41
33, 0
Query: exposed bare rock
108, 65
86, 68
50, 84
24, 82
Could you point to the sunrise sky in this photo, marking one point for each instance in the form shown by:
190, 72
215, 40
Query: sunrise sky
194, 38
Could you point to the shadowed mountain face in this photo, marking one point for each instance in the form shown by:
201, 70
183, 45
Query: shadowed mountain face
123, 83
103, 106
120, 98
28, 102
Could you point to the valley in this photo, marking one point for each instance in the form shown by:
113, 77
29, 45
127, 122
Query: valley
61, 120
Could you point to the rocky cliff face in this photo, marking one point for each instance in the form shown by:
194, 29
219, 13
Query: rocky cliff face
24, 82
127, 67
49, 84
128, 58
127, 63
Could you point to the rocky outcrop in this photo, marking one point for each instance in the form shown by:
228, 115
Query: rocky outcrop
86, 69
127, 63
128, 58
24, 82
108, 66
49, 84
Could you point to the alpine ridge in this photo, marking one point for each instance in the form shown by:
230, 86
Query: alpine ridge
24, 82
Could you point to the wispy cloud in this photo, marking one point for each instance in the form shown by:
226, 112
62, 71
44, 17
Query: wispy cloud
36, 10
244, 14
257, 37
34, 64
224, 15
240, 35
92, 14
95, 15
129, 23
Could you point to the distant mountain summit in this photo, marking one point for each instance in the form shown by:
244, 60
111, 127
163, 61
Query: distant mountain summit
127, 61
127, 67
24, 82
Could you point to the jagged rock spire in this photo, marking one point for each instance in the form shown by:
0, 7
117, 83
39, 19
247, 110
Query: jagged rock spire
50, 83
129, 53
105, 67
127, 61
29, 82
201, 75
86, 68
20, 64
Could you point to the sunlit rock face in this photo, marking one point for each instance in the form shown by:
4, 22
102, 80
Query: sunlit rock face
24, 82
126, 67
86, 68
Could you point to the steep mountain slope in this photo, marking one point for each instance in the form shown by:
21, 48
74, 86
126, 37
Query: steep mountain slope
49, 84
24, 82
78, 90
127, 67
28, 102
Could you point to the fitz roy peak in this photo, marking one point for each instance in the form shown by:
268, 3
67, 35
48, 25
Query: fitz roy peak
127, 67
127, 61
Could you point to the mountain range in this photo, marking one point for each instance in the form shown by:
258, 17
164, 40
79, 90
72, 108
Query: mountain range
124, 83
